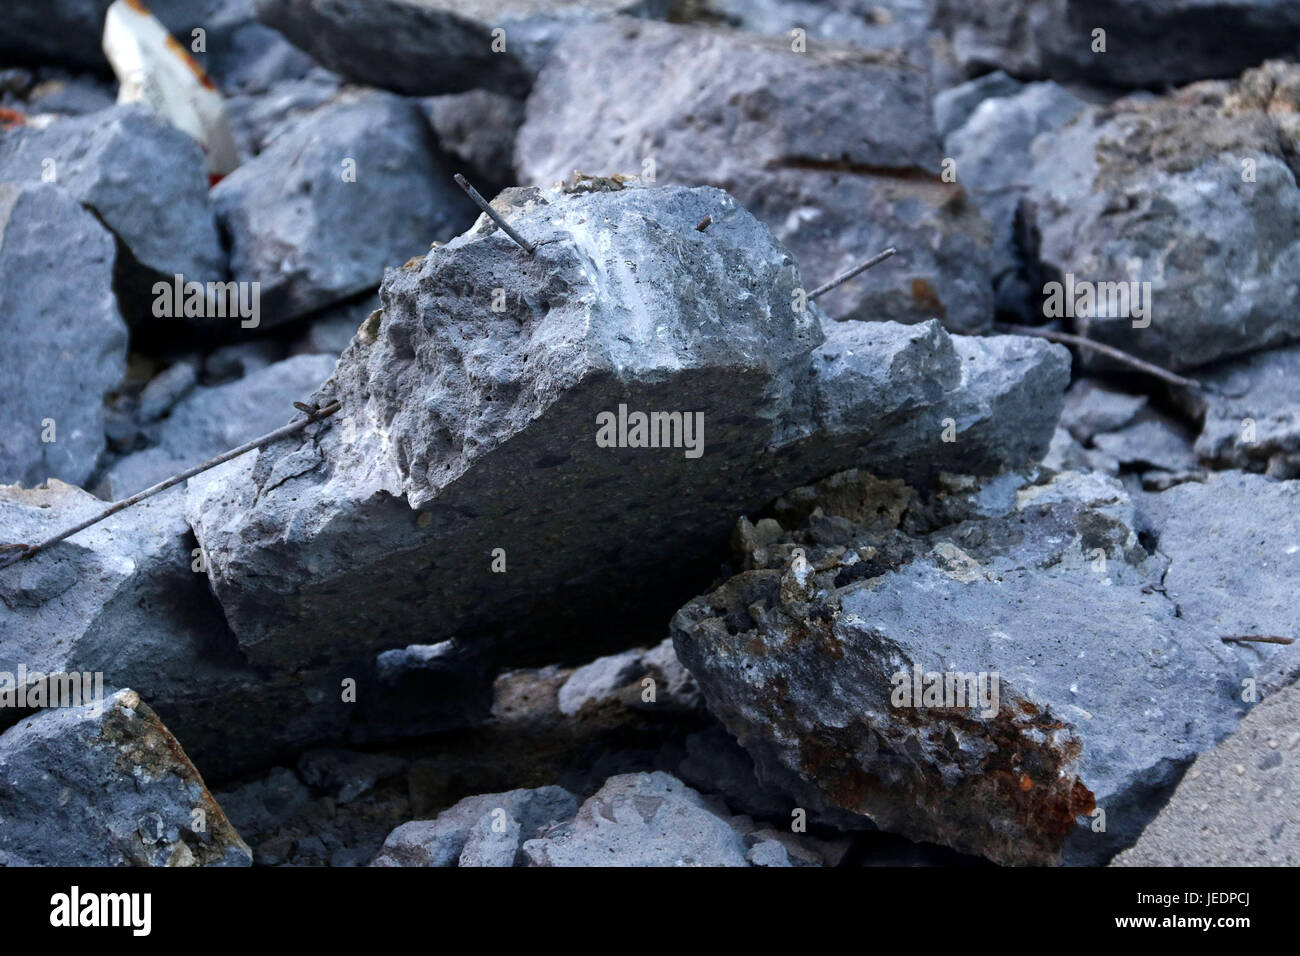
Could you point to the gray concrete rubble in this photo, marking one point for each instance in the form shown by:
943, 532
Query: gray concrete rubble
857, 581
106, 784
1121, 198
642, 820
1237, 805
1144, 43
465, 429
833, 149
440, 46
210, 419
160, 213
73, 338
339, 194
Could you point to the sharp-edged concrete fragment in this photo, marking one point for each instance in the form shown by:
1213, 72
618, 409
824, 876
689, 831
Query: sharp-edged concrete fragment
478, 463
342, 192
106, 784
484, 830
833, 148
1169, 227
644, 819
928, 682
440, 46
65, 341
143, 178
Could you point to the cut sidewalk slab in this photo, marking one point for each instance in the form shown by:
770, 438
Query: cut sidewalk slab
1239, 804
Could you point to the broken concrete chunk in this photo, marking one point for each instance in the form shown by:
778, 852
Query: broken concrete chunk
891, 389
1144, 43
628, 311
623, 677
642, 819
119, 597
1251, 413
1154, 442
1104, 429
953, 106
991, 146
478, 129
127, 598
257, 118
927, 682
106, 784
440, 46
991, 152
344, 191
1238, 804
1091, 407
1124, 200
512, 398
1234, 551
65, 339
833, 149
159, 211
485, 830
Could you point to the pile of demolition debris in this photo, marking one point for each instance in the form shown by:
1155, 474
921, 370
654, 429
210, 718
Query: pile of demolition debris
606, 528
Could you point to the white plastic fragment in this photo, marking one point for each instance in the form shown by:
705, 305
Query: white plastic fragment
155, 69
